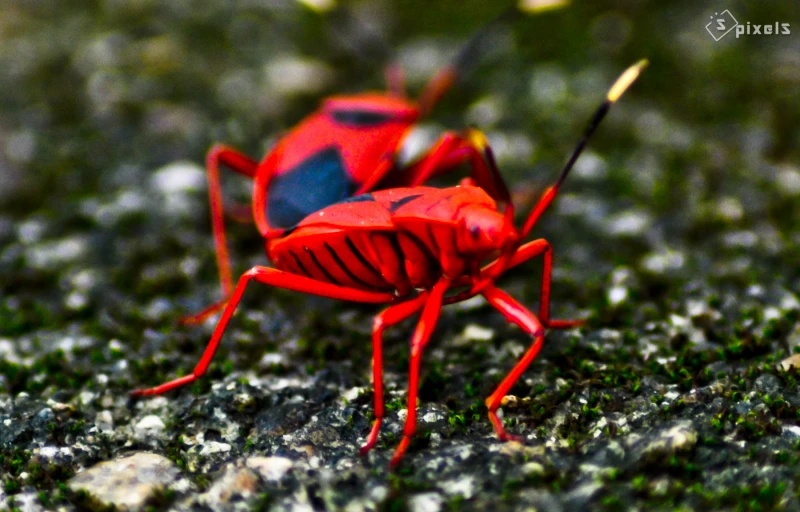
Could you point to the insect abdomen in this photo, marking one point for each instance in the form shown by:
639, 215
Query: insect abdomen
339, 258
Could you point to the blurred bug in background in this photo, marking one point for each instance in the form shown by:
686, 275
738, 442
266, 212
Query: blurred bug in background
354, 144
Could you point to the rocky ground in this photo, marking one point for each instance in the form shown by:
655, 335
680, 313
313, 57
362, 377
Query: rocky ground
676, 238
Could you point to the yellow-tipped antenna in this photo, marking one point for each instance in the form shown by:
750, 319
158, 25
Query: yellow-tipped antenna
626, 79
537, 6
620, 86
320, 6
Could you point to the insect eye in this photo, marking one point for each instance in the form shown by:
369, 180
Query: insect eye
475, 231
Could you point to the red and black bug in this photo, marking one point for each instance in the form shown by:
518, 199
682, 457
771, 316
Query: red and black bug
408, 247
348, 147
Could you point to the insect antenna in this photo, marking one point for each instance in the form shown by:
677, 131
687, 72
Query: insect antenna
483, 42
625, 80
368, 45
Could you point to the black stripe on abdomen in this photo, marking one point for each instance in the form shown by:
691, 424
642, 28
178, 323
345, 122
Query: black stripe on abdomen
346, 270
424, 249
300, 265
328, 275
361, 258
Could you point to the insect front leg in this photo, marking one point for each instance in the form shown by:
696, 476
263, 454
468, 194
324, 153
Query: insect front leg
521, 255
544, 301
391, 316
527, 321
271, 277
430, 315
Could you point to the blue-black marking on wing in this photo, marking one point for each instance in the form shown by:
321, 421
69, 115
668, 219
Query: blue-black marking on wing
363, 198
361, 118
318, 181
395, 205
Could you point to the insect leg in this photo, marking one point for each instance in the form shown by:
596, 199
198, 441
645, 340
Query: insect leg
271, 277
544, 301
391, 316
242, 165
527, 321
430, 315
483, 42
453, 149
384, 167
524, 253
199, 318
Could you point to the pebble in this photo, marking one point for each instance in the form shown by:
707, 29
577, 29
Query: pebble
150, 424
791, 362
474, 332
462, 487
47, 255
27, 502
629, 223
212, 447
272, 469
127, 482
767, 383
425, 502
678, 438
178, 178
237, 484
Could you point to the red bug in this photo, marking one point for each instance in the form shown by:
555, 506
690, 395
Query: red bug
346, 148
408, 247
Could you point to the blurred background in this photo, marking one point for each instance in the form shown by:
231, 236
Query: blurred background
98, 93
108, 108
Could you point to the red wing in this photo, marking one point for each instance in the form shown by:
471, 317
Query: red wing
364, 137
429, 203
357, 212
396, 108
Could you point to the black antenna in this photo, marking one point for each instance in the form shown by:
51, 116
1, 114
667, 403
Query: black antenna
620, 86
